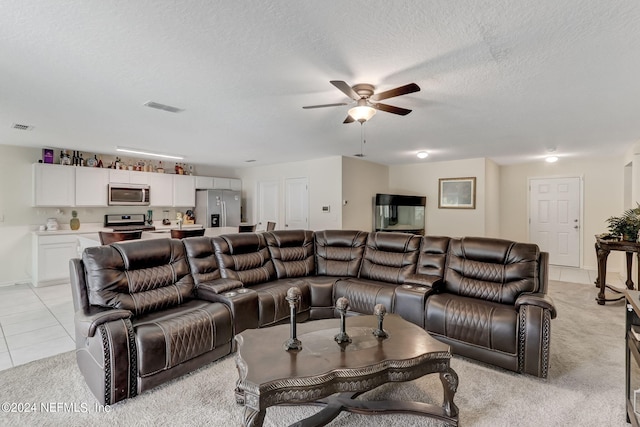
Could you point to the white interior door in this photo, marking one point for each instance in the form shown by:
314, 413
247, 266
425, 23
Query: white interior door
296, 203
268, 203
554, 218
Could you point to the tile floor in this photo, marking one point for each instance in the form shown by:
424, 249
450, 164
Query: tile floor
38, 322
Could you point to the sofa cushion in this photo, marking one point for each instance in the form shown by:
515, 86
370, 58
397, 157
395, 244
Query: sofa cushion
244, 257
141, 276
339, 252
202, 259
291, 252
474, 321
171, 337
491, 269
273, 307
433, 255
364, 294
390, 257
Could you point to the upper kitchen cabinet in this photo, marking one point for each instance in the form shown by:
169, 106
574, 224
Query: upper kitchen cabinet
53, 185
184, 190
91, 186
161, 188
121, 176
204, 183
215, 183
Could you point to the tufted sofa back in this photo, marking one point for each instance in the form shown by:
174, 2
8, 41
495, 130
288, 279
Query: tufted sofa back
244, 257
491, 269
339, 252
138, 277
433, 255
202, 259
291, 252
390, 257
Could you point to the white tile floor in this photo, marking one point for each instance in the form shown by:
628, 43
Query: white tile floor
38, 322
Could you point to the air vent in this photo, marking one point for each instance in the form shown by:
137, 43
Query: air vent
21, 127
359, 155
164, 107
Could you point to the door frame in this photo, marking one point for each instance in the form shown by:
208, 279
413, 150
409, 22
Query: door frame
580, 213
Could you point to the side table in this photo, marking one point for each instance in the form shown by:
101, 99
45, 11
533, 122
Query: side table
603, 248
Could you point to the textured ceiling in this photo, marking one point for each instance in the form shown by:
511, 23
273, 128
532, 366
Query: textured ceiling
504, 79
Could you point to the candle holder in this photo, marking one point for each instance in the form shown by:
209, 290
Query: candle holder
342, 305
380, 311
293, 297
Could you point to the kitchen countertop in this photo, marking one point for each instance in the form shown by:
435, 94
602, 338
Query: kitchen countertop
87, 228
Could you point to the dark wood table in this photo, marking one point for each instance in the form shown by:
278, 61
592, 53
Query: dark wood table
603, 248
332, 375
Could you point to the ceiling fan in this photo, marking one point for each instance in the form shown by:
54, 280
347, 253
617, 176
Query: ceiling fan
366, 100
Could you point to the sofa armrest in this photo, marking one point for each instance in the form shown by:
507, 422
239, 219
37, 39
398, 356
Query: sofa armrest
543, 301
210, 290
88, 321
427, 280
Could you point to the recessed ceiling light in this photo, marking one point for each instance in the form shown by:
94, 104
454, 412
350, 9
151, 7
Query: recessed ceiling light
422, 154
148, 153
551, 159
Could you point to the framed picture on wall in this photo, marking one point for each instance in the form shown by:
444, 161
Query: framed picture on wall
457, 193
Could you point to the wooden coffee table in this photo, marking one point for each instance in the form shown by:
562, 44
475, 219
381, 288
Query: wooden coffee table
326, 373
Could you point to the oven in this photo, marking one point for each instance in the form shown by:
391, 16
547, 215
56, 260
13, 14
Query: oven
127, 222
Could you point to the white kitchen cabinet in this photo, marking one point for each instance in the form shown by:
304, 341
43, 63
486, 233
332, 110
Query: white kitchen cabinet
91, 186
235, 184
204, 183
184, 191
53, 185
221, 184
161, 188
119, 176
51, 255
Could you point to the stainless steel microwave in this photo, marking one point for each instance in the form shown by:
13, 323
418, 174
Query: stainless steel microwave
128, 195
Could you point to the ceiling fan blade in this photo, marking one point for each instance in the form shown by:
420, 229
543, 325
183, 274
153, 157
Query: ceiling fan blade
325, 105
349, 119
402, 90
345, 88
391, 109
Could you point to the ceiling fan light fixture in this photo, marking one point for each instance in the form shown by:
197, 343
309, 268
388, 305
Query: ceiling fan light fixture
422, 154
551, 159
362, 113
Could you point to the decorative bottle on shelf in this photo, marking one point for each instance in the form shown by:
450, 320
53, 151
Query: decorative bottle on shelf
75, 222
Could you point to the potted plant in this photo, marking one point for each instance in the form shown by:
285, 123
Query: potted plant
627, 225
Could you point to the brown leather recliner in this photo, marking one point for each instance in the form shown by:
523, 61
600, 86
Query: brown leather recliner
387, 260
138, 323
245, 257
492, 305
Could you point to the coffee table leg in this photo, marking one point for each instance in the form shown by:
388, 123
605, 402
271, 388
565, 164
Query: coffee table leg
253, 418
449, 380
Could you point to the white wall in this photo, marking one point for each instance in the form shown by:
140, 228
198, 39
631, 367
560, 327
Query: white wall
361, 180
603, 182
325, 189
421, 179
492, 199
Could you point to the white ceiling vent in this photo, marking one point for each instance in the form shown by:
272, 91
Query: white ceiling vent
21, 127
164, 107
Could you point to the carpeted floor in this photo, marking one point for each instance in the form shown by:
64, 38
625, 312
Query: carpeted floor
585, 385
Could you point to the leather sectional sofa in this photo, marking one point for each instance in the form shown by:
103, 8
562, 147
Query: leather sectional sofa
151, 310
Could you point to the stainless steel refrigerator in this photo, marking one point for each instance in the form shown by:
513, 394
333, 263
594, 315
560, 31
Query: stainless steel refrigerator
218, 208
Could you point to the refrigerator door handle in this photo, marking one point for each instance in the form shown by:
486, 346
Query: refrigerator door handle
224, 213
